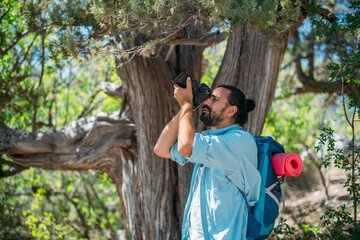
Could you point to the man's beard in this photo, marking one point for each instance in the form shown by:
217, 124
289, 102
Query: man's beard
211, 119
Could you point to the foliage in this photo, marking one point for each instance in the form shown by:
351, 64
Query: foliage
329, 51
340, 222
214, 56
344, 71
41, 89
294, 128
163, 21
86, 203
283, 231
39, 86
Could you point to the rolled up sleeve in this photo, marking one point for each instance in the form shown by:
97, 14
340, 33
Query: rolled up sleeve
176, 156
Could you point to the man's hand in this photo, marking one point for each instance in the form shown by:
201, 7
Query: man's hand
183, 120
184, 95
186, 132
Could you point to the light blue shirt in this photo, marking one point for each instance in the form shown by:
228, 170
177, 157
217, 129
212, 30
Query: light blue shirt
230, 158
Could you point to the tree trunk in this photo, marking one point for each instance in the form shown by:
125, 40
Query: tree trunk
252, 63
161, 186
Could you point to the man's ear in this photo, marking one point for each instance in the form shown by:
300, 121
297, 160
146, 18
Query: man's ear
232, 111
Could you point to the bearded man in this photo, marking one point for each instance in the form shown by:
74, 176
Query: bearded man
225, 180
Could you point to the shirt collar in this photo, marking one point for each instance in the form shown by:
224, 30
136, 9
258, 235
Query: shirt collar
222, 130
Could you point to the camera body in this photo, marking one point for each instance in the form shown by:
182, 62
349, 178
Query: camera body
200, 92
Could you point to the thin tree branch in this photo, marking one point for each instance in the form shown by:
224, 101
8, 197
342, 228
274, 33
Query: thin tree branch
52, 103
70, 223
320, 87
36, 99
327, 14
80, 214
343, 103
5, 13
87, 108
17, 63
67, 99
310, 57
104, 208
19, 37
14, 168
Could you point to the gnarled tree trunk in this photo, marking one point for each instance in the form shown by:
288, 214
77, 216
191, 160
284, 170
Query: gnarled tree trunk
161, 185
252, 63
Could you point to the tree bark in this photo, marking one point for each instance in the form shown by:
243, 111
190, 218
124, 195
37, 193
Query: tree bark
162, 186
252, 63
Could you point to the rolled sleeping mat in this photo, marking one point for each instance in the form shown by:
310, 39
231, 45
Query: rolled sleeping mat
288, 164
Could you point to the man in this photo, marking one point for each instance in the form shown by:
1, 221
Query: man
225, 177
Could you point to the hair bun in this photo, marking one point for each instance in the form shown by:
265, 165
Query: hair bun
250, 105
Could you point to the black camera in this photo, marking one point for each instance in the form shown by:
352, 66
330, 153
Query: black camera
200, 93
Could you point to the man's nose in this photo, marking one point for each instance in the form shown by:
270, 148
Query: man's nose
207, 102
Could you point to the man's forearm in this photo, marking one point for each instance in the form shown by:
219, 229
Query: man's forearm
167, 138
186, 132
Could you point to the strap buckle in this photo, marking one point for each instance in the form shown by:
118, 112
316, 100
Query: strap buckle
281, 180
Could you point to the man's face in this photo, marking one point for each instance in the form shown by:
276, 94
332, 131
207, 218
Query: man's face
214, 108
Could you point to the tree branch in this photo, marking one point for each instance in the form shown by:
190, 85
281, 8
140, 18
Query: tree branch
17, 63
321, 87
310, 85
12, 45
88, 143
206, 41
87, 108
14, 168
83, 219
327, 14
102, 205
6, 136
36, 99
5, 13
111, 89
